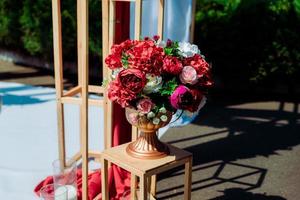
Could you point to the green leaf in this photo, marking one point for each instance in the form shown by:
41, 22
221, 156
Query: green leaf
105, 82
169, 87
168, 50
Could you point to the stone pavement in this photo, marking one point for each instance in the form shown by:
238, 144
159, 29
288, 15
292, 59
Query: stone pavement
243, 150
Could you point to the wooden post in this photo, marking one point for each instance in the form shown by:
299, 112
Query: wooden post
192, 28
138, 16
83, 54
79, 67
160, 28
106, 40
58, 68
188, 179
104, 177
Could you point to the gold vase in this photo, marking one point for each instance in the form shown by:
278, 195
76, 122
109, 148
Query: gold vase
147, 145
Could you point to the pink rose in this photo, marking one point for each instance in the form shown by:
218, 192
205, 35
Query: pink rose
188, 75
145, 105
133, 118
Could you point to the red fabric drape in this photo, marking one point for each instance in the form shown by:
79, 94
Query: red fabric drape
119, 179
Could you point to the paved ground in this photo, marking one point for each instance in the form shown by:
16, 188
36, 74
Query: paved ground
244, 149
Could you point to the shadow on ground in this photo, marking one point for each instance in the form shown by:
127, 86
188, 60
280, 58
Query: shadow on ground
240, 194
251, 132
242, 131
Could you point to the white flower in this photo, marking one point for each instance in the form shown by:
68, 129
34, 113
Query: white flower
164, 118
188, 50
150, 115
155, 121
161, 44
115, 73
162, 110
154, 83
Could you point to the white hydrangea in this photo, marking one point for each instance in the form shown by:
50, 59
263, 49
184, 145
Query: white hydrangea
154, 83
188, 50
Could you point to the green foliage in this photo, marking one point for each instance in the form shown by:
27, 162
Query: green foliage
169, 87
9, 14
245, 40
27, 25
172, 50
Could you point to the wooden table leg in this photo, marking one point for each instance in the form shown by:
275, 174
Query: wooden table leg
143, 187
133, 186
104, 176
188, 179
153, 185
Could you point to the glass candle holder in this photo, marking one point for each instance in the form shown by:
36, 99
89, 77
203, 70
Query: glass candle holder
65, 176
48, 192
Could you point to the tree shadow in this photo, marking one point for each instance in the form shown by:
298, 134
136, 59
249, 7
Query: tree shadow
238, 132
240, 194
251, 132
217, 178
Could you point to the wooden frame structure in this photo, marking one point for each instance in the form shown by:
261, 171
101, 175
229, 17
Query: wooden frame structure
79, 95
146, 170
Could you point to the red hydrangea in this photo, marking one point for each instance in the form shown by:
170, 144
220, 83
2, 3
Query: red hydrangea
146, 56
172, 65
113, 61
120, 95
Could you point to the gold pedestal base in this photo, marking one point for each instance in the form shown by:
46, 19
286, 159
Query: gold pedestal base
148, 146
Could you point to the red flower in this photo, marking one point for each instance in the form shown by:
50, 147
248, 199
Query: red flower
113, 61
146, 56
172, 65
202, 68
132, 80
119, 95
128, 44
156, 37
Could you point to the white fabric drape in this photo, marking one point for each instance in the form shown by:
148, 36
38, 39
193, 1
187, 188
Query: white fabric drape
177, 20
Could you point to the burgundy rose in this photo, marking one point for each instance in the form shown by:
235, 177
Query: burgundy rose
120, 95
132, 80
145, 105
186, 99
172, 65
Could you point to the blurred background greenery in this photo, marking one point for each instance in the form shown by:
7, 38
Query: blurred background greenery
250, 43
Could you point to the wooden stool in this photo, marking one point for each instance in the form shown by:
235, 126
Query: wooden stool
145, 169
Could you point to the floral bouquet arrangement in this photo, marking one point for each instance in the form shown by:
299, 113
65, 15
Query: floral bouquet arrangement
155, 78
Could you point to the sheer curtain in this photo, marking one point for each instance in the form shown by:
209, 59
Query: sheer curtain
177, 21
